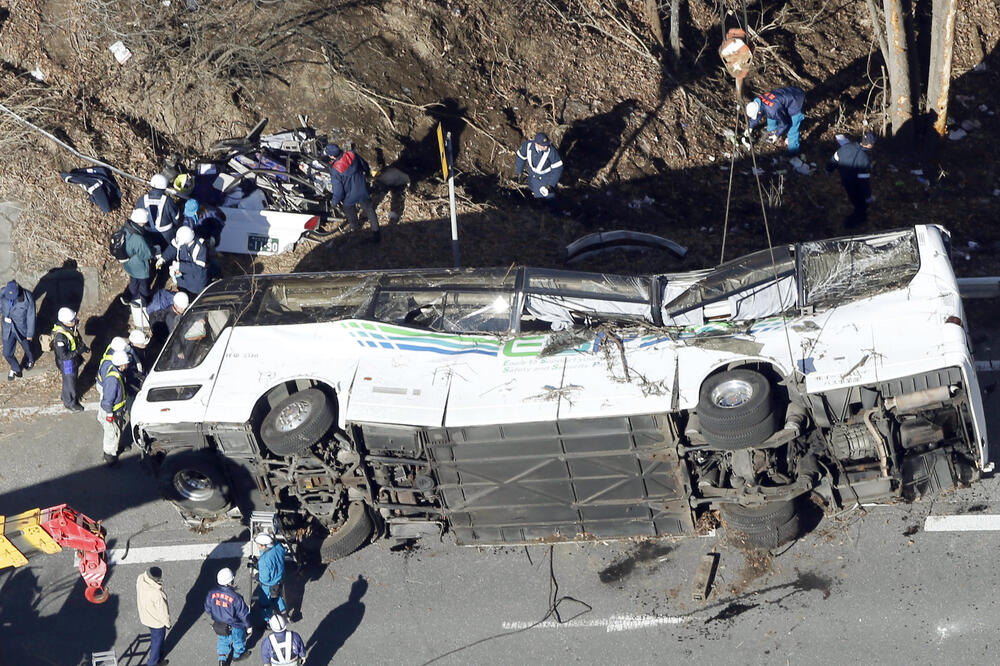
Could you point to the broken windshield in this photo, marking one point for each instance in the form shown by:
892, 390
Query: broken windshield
847, 268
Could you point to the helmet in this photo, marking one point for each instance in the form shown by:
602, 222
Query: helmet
225, 576
158, 182
66, 316
181, 301
138, 338
139, 216
120, 358
184, 184
277, 622
191, 208
184, 235
263, 539
753, 109
118, 343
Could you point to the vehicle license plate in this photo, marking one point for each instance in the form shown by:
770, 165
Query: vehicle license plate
257, 243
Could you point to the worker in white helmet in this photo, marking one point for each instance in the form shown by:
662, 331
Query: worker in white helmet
162, 211
112, 413
138, 341
117, 343
283, 647
69, 348
270, 573
189, 261
230, 617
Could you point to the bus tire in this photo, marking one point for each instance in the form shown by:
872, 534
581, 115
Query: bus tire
349, 537
764, 527
733, 400
732, 438
194, 481
297, 422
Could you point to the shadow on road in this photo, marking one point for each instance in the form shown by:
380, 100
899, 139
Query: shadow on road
337, 626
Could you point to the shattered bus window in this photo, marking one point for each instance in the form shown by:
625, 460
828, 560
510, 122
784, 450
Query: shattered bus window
847, 269
301, 300
193, 339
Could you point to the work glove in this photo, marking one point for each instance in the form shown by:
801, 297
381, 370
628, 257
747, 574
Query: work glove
159, 263
748, 132
110, 418
544, 191
772, 137
67, 367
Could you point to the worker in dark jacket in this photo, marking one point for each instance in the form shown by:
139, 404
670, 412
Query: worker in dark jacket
283, 647
783, 110
190, 258
853, 161
139, 256
164, 312
17, 309
161, 212
112, 413
545, 167
230, 617
69, 348
348, 174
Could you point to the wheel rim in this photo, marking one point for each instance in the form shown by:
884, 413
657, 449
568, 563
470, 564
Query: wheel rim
293, 415
193, 485
732, 393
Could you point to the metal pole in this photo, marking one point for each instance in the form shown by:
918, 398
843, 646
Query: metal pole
455, 255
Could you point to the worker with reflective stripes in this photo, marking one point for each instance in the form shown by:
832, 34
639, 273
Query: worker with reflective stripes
112, 413
161, 210
853, 162
782, 108
190, 267
230, 617
545, 167
270, 572
283, 647
69, 348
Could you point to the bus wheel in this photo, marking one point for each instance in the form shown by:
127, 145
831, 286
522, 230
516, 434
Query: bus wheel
354, 533
736, 409
297, 422
194, 481
765, 527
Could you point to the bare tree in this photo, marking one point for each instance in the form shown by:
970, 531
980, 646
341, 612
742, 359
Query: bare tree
898, 60
939, 72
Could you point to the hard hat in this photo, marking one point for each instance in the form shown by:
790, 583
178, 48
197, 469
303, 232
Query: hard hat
225, 576
191, 208
118, 343
263, 539
120, 358
753, 109
277, 622
139, 216
158, 181
184, 183
181, 301
138, 338
185, 235
66, 316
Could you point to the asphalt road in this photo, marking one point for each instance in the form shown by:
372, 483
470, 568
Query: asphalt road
871, 586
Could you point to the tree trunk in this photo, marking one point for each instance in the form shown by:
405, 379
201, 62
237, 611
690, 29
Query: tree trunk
901, 109
675, 28
939, 72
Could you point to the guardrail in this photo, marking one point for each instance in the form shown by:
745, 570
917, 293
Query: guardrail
979, 287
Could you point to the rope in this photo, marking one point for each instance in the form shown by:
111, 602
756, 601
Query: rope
49, 136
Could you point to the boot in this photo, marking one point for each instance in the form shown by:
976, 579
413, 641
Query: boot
110, 460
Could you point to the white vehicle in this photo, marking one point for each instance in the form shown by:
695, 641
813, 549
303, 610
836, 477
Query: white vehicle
524, 405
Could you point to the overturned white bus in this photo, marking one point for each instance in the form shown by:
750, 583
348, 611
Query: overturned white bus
519, 405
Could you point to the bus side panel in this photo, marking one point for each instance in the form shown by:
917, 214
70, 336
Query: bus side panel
573, 479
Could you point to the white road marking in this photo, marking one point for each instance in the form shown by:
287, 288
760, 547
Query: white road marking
983, 522
197, 551
611, 624
44, 411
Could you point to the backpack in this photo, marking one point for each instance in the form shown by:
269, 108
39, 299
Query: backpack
117, 245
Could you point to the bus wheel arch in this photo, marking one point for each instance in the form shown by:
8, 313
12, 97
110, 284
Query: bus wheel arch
292, 424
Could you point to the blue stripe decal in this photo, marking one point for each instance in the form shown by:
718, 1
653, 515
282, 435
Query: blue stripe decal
449, 352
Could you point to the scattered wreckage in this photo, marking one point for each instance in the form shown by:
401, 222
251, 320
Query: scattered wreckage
526, 405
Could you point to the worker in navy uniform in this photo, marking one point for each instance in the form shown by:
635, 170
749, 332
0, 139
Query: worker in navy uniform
348, 174
191, 259
69, 348
545, 168
112, 413
161, 210
138, 341
854, 163
230, 617
283, 647
17, 310
783, 110
270, 572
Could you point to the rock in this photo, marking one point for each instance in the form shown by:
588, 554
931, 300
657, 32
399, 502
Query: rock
957, 135
971, 125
